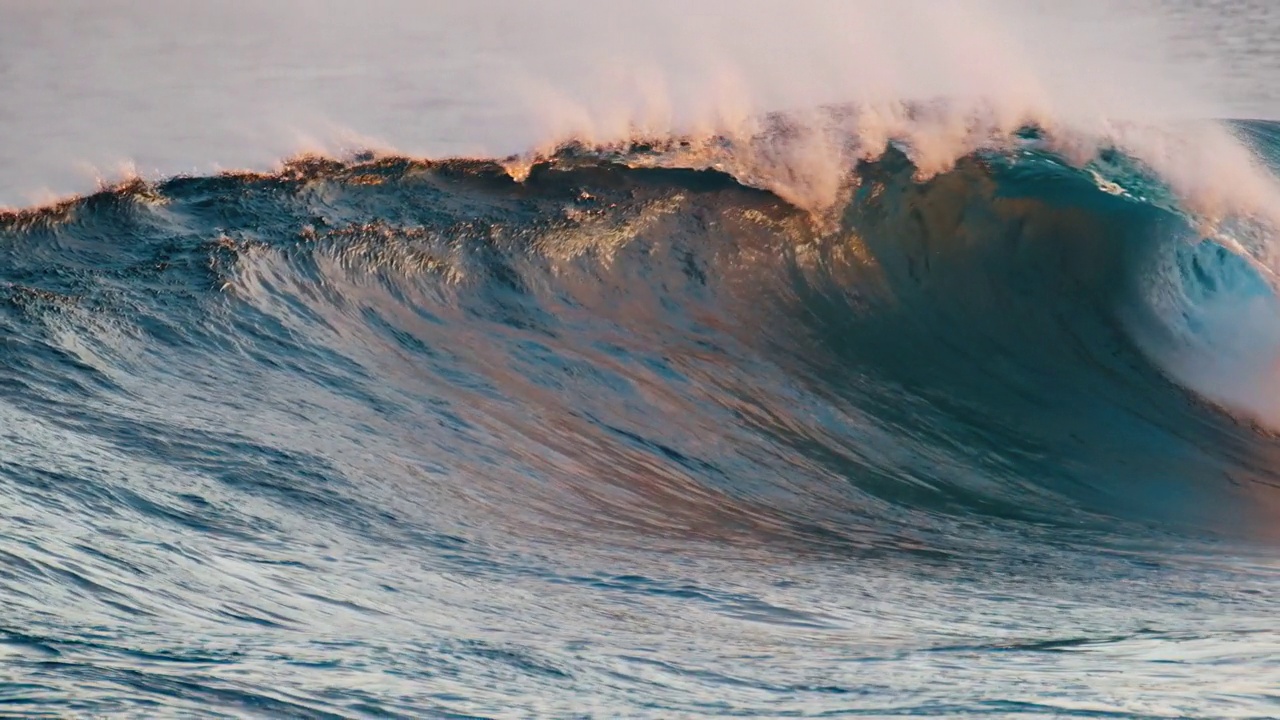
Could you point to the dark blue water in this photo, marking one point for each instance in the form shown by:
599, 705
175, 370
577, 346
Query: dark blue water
384, 437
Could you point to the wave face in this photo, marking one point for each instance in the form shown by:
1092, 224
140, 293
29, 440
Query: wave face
385, 437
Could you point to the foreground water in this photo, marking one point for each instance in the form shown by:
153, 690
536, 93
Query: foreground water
657, 429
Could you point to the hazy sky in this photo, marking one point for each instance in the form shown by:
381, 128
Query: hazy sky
95, 85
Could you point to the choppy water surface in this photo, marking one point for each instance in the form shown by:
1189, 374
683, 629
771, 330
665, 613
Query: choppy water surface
659, 428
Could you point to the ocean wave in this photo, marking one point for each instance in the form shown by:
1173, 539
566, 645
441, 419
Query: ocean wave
662, 335
771, 359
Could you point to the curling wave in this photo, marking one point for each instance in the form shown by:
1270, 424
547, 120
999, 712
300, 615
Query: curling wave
631, 338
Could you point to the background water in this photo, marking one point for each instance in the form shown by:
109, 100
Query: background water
678, 429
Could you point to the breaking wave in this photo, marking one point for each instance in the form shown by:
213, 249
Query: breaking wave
673, 333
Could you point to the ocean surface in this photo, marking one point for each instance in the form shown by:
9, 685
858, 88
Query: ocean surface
645, 360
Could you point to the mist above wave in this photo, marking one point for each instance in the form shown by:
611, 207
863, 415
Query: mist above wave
162, 89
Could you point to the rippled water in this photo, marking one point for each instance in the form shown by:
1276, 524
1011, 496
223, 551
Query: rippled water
631, 430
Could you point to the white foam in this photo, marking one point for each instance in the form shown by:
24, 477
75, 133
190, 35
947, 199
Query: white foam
181, 88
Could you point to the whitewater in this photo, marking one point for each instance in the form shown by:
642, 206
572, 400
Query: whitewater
807, 359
